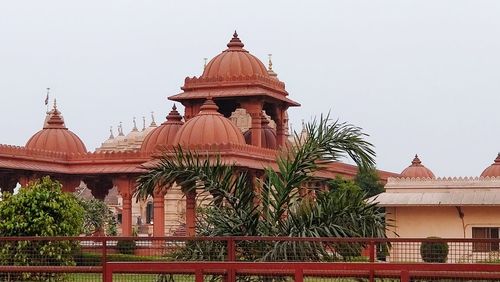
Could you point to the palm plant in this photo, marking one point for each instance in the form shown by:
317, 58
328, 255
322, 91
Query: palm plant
281, 211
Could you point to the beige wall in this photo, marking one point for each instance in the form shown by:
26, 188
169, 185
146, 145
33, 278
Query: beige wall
444, 222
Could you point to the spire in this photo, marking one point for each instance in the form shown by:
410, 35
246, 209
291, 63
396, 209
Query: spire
174, 117
47, 99
143, 123
209, 106
135, 125
111, 136
120, 129
416, 161
270, 70
235, 42
54, 118
153, 123
205, 62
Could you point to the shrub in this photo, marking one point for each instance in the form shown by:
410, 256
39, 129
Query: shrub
95, 259
40, 209
126, 247
434, 251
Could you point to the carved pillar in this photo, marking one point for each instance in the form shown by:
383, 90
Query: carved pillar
69, 184
99, 186
256, 178
254, 109
281, 126
191, 109
191, 213
159, 212
125, 187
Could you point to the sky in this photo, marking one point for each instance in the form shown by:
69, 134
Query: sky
418, 76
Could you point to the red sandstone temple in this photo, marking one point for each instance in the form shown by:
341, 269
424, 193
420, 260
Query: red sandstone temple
237, 108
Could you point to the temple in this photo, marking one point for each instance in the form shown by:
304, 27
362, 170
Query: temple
420, 205
237, 109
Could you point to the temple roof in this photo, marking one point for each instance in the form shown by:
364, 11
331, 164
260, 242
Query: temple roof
494, 169
234, 73
55, 136
417, 170
209, 127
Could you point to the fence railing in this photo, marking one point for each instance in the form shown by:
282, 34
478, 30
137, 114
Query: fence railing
247, 258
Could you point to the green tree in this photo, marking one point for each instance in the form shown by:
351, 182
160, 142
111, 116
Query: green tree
97, 217
41, 209
369, 181
281, 212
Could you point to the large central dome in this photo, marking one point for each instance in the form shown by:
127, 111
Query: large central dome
234, 62
55, 136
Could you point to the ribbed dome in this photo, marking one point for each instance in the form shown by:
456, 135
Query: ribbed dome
56, 137
234, 62
208, 127
417, 170
493, 170
268, 136
164, 134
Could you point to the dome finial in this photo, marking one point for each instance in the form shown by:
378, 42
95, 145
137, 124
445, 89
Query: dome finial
174, 116
416, 160
153, 123
205, 62
143, 123
270, 70
111, 136
135, 125
120, 129
55, 104
209, 105
235, 42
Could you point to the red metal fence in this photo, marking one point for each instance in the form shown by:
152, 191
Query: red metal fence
247, 259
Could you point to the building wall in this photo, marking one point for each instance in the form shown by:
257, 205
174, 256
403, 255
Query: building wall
444, 222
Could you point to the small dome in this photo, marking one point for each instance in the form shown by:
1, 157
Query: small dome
268, 136
494, 169
417, 170
208, 127
234, 62
55, 136
163, 135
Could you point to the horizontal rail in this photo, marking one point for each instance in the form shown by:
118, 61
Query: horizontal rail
391, 270
55, 269
250, 238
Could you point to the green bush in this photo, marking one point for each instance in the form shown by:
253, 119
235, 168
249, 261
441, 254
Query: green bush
40, 209
126, 247
434, 251
95, 259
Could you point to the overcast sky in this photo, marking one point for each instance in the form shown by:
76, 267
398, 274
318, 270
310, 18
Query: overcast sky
418, 76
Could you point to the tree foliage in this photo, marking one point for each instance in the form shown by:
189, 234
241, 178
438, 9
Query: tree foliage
41, 209
278, 209
97, 217
369, 181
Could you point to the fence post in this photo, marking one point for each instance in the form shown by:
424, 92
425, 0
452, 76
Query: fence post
231, 256
231, 250
104, 261
405, 276
371, 250
299, 275
198, 275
